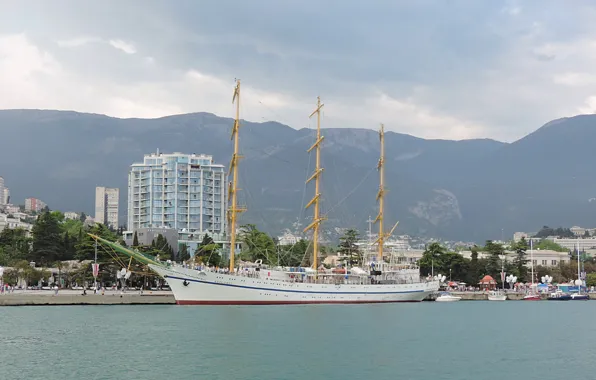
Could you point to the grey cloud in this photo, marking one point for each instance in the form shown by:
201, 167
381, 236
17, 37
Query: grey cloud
461, 60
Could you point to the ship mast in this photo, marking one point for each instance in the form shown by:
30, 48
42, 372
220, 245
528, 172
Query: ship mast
381, 193
233, 208
316, 176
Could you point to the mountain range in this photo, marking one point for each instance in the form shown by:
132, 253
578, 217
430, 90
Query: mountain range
470, 189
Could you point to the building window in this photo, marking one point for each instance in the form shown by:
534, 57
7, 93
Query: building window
535, 262
543, 262
554, 262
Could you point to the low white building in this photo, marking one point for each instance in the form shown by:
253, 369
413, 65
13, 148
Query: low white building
287, 239
542, 257
12, 223
572, 244
71, 215
11, 209
520, 235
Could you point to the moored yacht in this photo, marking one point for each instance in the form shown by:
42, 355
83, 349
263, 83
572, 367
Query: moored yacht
447, 297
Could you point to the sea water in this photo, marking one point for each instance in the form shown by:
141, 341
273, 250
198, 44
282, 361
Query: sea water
428, 340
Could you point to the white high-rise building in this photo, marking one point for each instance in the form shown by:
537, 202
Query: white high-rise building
6, 196
2, 200
181, 191
106, 206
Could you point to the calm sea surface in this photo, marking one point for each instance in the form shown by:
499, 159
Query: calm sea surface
462, 340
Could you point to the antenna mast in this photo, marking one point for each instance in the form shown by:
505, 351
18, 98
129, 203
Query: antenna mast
233, 208
381, 193
316, 176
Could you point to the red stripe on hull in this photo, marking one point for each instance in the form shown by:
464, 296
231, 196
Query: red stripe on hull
279, 302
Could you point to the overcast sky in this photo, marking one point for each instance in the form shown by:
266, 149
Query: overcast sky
434, 69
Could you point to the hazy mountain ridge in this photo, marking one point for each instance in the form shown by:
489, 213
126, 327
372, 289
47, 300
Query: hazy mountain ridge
468, 189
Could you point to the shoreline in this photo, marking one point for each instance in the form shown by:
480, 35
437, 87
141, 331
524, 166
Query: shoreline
75, 298
72, 298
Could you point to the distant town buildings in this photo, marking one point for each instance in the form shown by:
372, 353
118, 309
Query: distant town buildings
184, 192
518, 236
11, 209
106, 206
34, 205
71, 215
89, 221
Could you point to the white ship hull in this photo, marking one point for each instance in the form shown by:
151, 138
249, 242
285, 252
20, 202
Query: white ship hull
193, 287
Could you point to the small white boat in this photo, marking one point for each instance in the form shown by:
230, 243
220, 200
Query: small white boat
447, 297
496, 295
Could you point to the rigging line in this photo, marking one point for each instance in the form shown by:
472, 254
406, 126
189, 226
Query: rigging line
115, 258
351, 191
251, 200
267, 154
273, 112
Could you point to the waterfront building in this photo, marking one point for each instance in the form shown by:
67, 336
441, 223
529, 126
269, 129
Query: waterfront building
106, 206
185, 192
34, 205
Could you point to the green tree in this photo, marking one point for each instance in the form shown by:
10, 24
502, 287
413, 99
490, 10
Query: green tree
546, 231
72, 227
474, 270
183, 253
47, 239
135, 240
349, 249
14, 245
591, 279
257, 245
545, 244
455, 265
85, 244
295, 255
433, 257
208, 252
520, 261
493, 265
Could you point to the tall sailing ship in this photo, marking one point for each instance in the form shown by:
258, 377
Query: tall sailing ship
379, 279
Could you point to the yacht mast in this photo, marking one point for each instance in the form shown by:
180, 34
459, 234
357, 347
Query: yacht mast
532, 259
316, 221
381, 193
233, 208
579, 281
